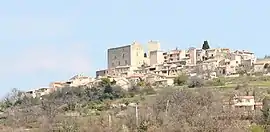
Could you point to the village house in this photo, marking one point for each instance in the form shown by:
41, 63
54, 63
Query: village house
79, 80
246, 55
122, 82
37, 92
156, 57
101, 73
75, 81
260, 66
245, 103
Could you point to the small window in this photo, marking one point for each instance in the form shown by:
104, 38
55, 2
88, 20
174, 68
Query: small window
198, 54
115, 57
126, 62
119, 63
123, 55
112, 64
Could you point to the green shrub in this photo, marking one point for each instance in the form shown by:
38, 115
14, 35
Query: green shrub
148, 91
218, 82
141, 84
180, 80
258, 74
195, 82
215, 82
105, 82
256, 128
134, 89
264, 78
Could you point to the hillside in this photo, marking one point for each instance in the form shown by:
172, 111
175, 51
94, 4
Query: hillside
194, 105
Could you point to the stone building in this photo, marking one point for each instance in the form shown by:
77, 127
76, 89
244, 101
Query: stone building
101, 73
129, 55
152, 46
156, 57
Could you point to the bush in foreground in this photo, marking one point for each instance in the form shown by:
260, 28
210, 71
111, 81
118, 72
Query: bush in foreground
195, 82
180, 80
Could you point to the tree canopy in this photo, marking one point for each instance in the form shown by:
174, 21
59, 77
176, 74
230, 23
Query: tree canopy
205, 45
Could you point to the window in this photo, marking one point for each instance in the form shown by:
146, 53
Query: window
112, 64
123, 56
236, 62
119, 63
115, 57
198, 54
126, 62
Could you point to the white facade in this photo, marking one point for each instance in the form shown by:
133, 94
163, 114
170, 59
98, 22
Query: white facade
79, 80
246, 102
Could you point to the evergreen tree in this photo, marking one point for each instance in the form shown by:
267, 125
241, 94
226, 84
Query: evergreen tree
205, 45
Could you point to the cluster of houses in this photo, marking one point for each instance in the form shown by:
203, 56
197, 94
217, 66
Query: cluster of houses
130, 63
131, 60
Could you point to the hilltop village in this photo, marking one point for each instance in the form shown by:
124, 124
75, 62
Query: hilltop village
194, 89
130, 63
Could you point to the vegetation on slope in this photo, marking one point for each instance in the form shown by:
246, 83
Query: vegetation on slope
194, 109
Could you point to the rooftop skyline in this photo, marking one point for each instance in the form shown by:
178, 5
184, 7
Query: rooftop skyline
47, 41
